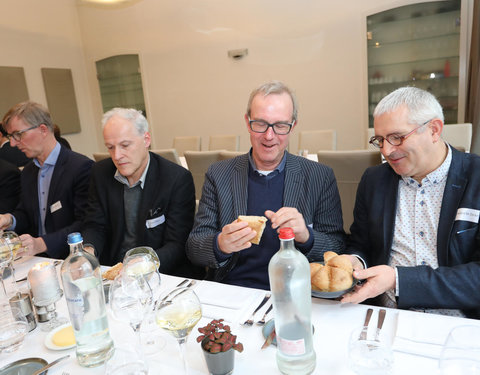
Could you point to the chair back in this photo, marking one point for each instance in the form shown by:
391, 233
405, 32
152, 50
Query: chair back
458, 136
316, 140
370, 134
230, 154
198, 163
97, 156
224, 142
182, 144
169, 154
348, 167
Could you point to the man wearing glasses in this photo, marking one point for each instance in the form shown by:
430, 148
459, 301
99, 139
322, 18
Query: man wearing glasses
416, 216
54, 188
289, 190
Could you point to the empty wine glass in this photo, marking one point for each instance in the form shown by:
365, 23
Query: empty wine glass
125, 362
177, 313
144, 250
13, 328
6, 256
130, 300
143, 266
461, 352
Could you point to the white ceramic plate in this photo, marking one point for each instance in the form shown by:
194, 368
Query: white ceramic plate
48, 339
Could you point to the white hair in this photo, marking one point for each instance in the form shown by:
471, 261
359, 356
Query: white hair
134, 116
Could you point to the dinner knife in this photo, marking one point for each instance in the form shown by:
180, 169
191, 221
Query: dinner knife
381, 319
363, 334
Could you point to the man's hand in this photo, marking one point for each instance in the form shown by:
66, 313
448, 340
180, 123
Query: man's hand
379, 280
6, 221
356, 263
235, 236
32, 245
289, 217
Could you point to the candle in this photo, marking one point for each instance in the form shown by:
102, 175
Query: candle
43, 281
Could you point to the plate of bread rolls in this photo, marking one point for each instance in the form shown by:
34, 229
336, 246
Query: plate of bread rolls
333, 277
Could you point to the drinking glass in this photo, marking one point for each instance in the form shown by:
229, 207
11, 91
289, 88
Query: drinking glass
125, 362
461, 352
6, 256
144, 250
13, 240
143, 267
130, 300
13, 328
369, 355
177, 313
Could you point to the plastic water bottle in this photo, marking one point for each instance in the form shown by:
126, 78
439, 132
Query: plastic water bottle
82, 284
289, 274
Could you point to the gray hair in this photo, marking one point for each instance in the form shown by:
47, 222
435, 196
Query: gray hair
422, 106
32, 113
134, 116
274, 87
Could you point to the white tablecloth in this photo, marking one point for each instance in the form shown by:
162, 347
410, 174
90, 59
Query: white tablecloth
333, 323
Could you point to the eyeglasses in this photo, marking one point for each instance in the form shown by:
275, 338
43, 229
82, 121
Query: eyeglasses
280, 128
393, 139
18, 135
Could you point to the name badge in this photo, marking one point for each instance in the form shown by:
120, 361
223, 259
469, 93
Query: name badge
55, 207
468, 214
152, 223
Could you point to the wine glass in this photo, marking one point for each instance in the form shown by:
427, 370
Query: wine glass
6, 256
130, 300
13, 240
125, 362
461, 352
144, 250
177, 313
13, 328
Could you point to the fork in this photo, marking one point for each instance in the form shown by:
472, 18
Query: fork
261, 322
249, 322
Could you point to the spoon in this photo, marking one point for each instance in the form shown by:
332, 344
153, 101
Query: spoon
42, 370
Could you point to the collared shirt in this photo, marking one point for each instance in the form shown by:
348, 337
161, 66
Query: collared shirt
141, 181
269, 174
416, 224
44, 178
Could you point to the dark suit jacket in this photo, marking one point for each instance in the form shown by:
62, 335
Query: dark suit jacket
69, 186
168, 192
309, 186
13, 155
454, 285
9, 186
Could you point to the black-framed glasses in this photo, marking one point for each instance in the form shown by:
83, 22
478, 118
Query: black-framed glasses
393, 139
280, 128
18, 135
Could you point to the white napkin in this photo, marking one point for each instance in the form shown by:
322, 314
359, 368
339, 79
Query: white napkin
422, 334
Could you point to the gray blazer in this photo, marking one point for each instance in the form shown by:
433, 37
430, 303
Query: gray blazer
309, 186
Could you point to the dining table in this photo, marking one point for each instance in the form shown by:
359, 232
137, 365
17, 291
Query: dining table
416, 337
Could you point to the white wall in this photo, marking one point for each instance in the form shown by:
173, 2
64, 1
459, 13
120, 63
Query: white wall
37, 34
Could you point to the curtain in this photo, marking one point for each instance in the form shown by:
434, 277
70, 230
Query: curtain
472, 113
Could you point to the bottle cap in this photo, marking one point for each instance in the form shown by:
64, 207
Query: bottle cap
74, 238
286, 234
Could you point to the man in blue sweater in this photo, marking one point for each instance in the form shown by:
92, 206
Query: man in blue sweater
289, 190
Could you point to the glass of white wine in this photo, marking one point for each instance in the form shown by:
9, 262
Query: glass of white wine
13, 240
177, 313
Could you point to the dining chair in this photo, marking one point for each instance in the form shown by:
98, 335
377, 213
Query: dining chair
169, 154
182, 144
224, 142
316, 140
348, 167
370, 134
97, 156
458, 136
230, 154
198, 163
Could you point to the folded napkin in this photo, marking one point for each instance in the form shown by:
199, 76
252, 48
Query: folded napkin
422, 334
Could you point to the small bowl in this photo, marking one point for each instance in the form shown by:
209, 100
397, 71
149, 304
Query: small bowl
24, 366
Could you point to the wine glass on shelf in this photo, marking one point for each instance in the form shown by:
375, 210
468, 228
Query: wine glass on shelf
130, 300
177, 313
461, 352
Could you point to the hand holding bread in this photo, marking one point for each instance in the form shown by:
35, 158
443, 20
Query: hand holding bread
332, 276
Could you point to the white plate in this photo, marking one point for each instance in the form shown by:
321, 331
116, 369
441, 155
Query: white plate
48, 339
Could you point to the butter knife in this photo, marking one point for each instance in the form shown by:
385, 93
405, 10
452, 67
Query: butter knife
363, 334
381, 319
269, 338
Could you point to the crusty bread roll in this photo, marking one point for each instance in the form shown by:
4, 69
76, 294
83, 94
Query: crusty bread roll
113, 272
257, 223
334, 276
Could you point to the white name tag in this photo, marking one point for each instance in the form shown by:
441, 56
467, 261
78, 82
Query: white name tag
152, 223
468, 214
55, 207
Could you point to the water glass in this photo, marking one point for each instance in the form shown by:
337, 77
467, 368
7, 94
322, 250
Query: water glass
125, 362
370, 355
13, 328
461, 352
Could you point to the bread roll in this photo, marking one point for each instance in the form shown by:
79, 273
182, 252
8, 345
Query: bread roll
334, 276
257, 223
113, 272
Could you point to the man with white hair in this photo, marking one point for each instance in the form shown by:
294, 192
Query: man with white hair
416, 216
138, 198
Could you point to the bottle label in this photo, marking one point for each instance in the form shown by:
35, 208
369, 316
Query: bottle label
291, 347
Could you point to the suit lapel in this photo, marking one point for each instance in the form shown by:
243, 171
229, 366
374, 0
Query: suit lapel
239, 186
389, 209
293, 178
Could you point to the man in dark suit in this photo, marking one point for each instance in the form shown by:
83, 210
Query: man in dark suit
11, 154
289, 190
54, 187
416, 216
9, 186
138, 198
